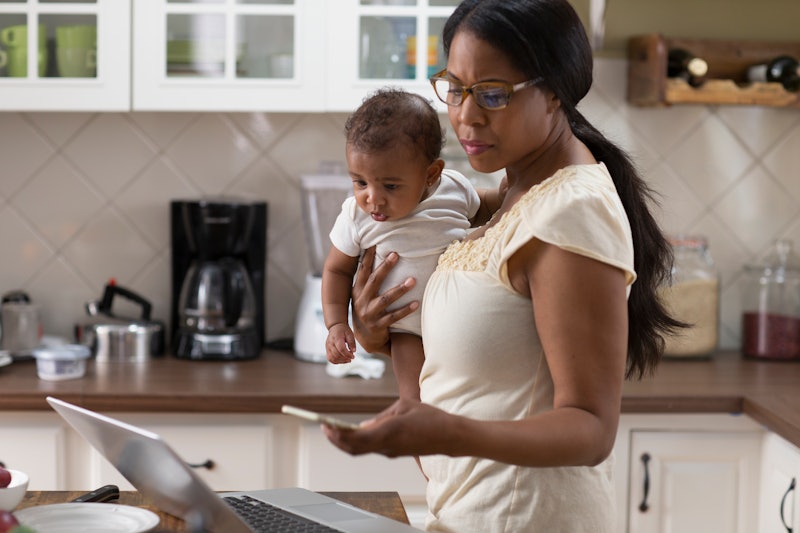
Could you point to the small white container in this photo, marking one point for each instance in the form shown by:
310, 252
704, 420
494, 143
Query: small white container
57, 363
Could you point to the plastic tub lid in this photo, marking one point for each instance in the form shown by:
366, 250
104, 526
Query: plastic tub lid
62, 353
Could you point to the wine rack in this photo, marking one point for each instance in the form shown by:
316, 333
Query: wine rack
728, 61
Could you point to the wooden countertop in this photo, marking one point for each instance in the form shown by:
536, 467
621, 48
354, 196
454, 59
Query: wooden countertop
384, 503
725, 383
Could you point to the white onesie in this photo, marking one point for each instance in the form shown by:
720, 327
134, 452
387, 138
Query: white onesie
419, 238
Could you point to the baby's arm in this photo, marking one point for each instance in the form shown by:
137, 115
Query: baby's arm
337, 282
491, 200
407, 359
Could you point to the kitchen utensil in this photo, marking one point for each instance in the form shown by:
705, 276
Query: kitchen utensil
11, 495
58, 363
771, 305
103, 494
116, 338
21, 326
219, 255
15, 38
322, 196
91, 517
76, 50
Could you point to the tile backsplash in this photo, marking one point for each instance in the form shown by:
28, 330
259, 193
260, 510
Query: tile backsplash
85, 197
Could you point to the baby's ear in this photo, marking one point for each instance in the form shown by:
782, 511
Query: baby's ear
434, 171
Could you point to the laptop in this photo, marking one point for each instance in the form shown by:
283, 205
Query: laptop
157, 471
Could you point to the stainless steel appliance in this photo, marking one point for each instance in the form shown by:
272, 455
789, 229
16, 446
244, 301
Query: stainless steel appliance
218, 267
112, 337
322, 197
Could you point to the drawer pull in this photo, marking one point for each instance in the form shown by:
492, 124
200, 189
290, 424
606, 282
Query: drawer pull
207, 464
783, 502
644, 506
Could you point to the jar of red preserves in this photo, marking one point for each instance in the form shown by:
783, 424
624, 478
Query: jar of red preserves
771, 305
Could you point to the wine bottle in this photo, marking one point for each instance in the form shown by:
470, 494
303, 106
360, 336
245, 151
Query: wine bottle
783, 69
685, 65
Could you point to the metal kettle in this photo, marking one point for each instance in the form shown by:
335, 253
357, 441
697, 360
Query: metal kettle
21, 324
116, 338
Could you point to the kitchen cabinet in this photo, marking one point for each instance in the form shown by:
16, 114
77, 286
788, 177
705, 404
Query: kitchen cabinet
254, 55
229, 56
779, 509
61, 55
36, 444
375, 43
688, 473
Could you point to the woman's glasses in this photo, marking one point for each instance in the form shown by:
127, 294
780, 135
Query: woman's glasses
490, 95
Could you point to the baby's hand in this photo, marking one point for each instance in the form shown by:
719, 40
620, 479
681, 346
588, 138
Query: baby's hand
340, 345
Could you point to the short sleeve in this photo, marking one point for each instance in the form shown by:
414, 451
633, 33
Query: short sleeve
577, 210
344, 234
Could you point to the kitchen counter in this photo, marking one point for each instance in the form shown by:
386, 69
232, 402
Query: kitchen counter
767, 391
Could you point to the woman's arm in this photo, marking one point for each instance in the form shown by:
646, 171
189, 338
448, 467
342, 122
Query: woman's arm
371, 321
491, 200
581, 315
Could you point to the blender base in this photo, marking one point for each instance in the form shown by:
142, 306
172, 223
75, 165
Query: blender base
310, 331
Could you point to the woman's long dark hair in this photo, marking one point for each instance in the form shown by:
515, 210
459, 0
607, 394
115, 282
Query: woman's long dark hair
546, 38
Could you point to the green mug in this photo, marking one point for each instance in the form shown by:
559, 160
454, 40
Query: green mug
76, 51
15, 38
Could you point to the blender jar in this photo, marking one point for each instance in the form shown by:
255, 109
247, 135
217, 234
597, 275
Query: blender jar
693, 298
771, 305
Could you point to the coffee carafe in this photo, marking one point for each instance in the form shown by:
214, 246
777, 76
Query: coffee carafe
219, 310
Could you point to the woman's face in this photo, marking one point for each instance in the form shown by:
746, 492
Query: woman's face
496, 139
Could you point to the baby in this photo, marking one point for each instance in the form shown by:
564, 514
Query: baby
404, 201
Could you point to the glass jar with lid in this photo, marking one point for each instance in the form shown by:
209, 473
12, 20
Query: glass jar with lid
693, 298
771, 305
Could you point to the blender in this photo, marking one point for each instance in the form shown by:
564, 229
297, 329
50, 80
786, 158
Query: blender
322, 196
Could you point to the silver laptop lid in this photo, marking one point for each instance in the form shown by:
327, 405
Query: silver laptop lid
151, 466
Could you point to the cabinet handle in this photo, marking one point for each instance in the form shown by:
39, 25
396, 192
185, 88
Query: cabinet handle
644, 506
207, 464
783, 501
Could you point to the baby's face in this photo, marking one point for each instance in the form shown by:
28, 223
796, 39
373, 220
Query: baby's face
388, 185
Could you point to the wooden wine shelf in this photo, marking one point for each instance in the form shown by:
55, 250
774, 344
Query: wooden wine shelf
727, 82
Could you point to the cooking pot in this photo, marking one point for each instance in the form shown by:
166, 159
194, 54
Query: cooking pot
114, 338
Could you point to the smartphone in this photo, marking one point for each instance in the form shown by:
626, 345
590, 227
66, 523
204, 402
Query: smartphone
318, 417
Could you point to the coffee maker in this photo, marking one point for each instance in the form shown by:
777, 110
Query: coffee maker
218, 278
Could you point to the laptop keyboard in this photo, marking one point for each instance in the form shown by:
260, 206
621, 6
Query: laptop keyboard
265, 518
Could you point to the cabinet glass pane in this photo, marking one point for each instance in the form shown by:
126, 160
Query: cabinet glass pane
388, 2
268, 46
444, 2
384, 47
71, 45
196, 45
436, 58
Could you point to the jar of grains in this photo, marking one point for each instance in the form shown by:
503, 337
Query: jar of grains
693, 298
771, 305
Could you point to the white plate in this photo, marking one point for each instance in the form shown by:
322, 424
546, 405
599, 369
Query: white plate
5, 358
88, 518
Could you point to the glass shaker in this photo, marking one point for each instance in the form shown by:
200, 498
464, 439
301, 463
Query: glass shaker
771, 305
693, 298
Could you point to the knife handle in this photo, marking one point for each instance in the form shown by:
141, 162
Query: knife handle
103, 494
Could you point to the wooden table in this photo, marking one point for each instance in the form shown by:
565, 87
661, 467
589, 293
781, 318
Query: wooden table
383, 503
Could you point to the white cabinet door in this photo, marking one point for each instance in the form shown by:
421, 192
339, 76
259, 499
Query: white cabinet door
324, 467
238, 446
693, 482
35, 444
779, 510
65, 56
375, 43
259, 55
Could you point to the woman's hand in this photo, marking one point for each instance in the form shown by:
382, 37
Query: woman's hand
371, 321
406, 428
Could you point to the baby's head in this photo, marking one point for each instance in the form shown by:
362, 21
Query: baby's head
394, 140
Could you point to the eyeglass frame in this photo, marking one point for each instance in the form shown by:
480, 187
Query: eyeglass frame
510, 89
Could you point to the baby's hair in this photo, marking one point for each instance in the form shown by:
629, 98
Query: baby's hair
391, 116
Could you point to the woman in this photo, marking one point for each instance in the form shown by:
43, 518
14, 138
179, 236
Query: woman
531, 324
